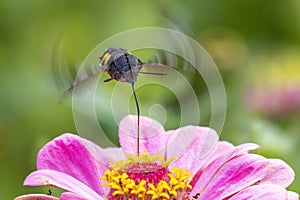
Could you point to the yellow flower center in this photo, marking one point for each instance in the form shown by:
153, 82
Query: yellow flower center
146, 177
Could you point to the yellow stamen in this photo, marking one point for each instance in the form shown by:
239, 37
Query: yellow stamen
140, 190
142, 158
121, 184
161, 191
179, 180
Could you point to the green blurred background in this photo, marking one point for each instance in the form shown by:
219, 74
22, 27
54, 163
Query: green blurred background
255, 44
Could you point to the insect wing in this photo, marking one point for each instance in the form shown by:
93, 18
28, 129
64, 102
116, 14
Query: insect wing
154, 69
83, 79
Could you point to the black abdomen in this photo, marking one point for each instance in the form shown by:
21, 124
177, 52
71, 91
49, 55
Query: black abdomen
121, 65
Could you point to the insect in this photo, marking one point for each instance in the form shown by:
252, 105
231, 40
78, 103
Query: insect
123, 66
49, 192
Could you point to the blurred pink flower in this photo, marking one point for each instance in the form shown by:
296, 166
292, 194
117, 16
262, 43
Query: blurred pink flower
276, 101
273, 86
220, 170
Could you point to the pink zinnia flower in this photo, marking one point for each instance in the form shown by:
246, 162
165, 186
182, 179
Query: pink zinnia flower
273, 88
178, 164
277, 100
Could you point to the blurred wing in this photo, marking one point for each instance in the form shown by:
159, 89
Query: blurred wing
167, 60
65, 74
82, 79
154, 69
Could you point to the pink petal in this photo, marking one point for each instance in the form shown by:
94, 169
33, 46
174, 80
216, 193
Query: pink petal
105, 156
219, 162
36, 197
68, 154
292, 195
61, 180
263, 191
236, 174
152, 137
70, 196
221, 148
191, 144
279, 173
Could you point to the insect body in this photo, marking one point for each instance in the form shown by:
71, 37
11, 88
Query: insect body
121, 65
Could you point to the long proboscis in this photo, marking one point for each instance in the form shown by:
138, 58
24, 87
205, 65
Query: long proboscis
153, 73
138, 125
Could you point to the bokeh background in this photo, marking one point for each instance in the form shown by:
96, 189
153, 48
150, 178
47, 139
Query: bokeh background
255, 45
